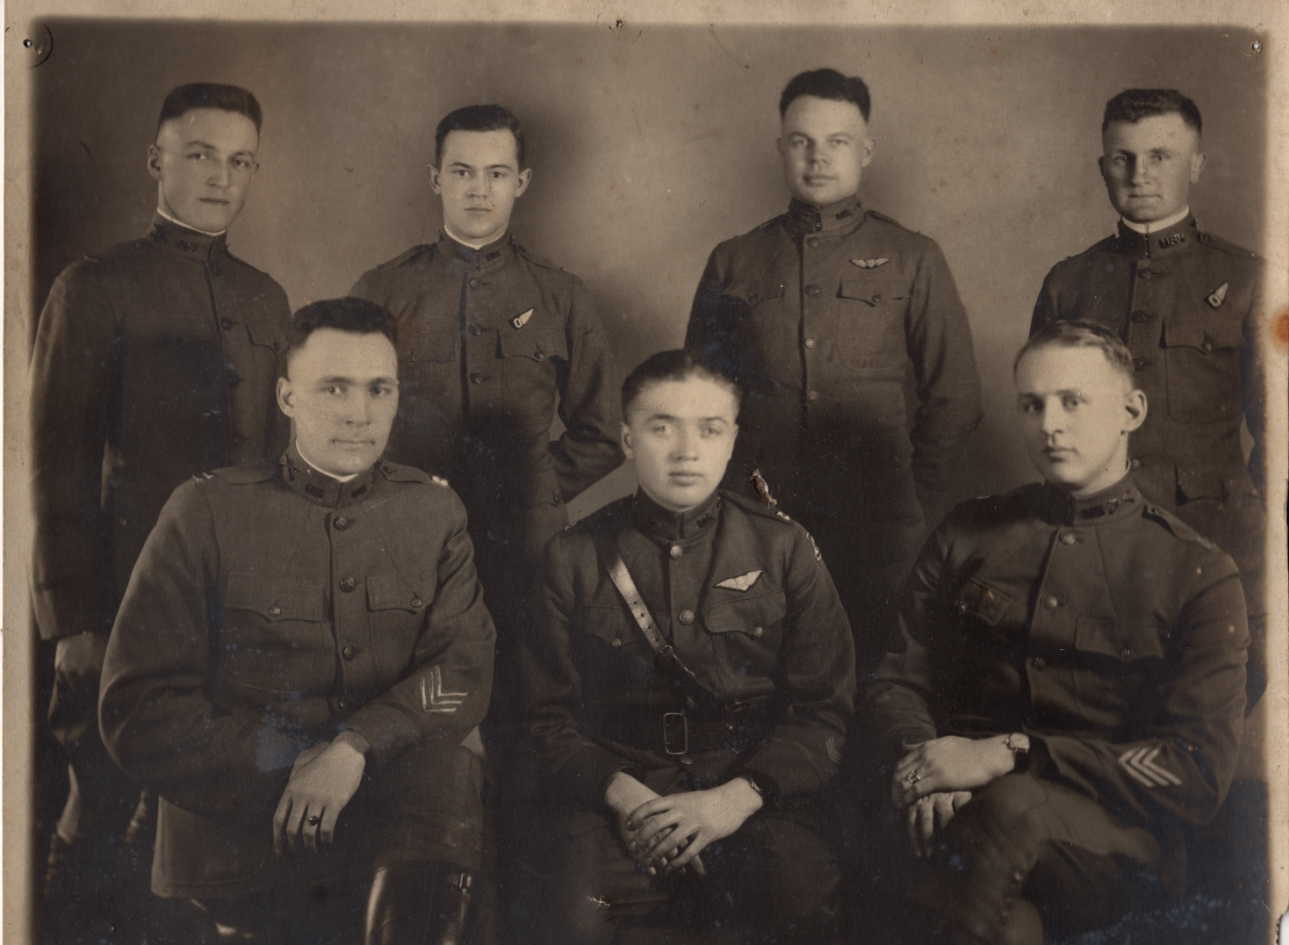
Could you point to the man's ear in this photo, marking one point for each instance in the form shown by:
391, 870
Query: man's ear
154, 162
525, 178
1136, 407
870, 145
626, 442
1198, 160
285, 396
434, 180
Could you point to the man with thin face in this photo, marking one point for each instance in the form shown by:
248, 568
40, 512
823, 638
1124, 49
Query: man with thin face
689, 691
1048, 722
848, 333
299, 667
153, 360
494, 342
1188, 305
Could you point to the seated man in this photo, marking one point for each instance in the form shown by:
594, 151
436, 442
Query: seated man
1070, 688
300, 653
689, 690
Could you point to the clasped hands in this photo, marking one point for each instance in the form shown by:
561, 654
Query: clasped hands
935, 778
323, 780
666, 833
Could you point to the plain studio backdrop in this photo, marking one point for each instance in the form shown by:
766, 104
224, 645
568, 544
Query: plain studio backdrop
649, 145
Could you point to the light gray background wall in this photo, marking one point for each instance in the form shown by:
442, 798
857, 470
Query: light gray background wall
649, 145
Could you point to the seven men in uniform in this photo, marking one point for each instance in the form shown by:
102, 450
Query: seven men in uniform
304, 654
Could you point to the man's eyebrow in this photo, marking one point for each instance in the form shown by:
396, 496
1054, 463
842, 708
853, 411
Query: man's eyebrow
342, 379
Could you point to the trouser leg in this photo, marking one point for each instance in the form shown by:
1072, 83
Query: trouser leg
1025, 840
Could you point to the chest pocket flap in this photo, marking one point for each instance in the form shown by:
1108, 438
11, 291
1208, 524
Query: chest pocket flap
274, 598
1205, 333
753, 293
390, 592
536, 344
982, 601
1105, 637
873, 291
265, 336
755, 616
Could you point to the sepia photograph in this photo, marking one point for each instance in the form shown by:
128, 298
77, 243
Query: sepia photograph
589, 475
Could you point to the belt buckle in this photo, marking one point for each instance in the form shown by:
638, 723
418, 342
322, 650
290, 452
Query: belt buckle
675, 723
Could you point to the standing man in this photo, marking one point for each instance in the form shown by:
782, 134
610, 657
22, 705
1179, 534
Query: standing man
301, 651
153, 360
848, 334
689, 692
1188, 306
493, 342
1069, 692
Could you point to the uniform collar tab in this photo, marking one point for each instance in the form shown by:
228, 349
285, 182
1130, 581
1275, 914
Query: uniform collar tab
842, 215
187, 241
318, 487
665, 525
1121, 500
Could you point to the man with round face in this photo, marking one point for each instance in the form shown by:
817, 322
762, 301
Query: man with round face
494, 342
686, 762
848, 333
1068, 691
112, 435
300, 665
1188, 306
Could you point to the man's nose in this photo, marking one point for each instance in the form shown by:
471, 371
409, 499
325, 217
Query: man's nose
220, 172
684, 447
357, 409
1139, 171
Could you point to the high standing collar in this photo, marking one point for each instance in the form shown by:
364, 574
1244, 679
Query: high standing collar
483, 259
318, 487
1168, 240
190, 243
1119, 501
844, 214
664, 525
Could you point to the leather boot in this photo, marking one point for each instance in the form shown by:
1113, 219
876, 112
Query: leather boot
418, 904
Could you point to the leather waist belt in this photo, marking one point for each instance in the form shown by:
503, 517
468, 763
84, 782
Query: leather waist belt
681, 733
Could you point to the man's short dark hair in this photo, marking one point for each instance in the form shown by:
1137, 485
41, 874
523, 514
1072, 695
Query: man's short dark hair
677, 364
827, 83
1081, 334
479, 118
1132, 105
229, 98
354, 315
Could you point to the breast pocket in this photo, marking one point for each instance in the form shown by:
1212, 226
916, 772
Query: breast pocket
763, 333
746, 634
396, 615
531, 359
1202, 361
870, 329
979, 618
1113, 662
611, 652
275, 635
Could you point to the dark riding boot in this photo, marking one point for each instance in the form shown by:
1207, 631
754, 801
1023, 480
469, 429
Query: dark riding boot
418, 904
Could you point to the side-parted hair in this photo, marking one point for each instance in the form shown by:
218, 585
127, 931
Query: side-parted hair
350, 314
1081, 334
479, 118
677, 364
827, 83
1132, 105
229, 98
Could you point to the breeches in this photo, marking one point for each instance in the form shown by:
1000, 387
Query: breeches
1022, 837
776, 871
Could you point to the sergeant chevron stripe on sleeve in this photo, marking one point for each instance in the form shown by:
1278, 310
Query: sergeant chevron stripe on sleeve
434, 698
1141, 767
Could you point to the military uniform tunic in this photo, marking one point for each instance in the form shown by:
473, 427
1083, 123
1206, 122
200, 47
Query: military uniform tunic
273, 607
492, 344
1104, 628
153, 361
740, 592
1188, 305
848, 332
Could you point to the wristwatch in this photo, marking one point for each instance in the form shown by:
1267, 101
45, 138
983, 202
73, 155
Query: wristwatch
1018, 744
